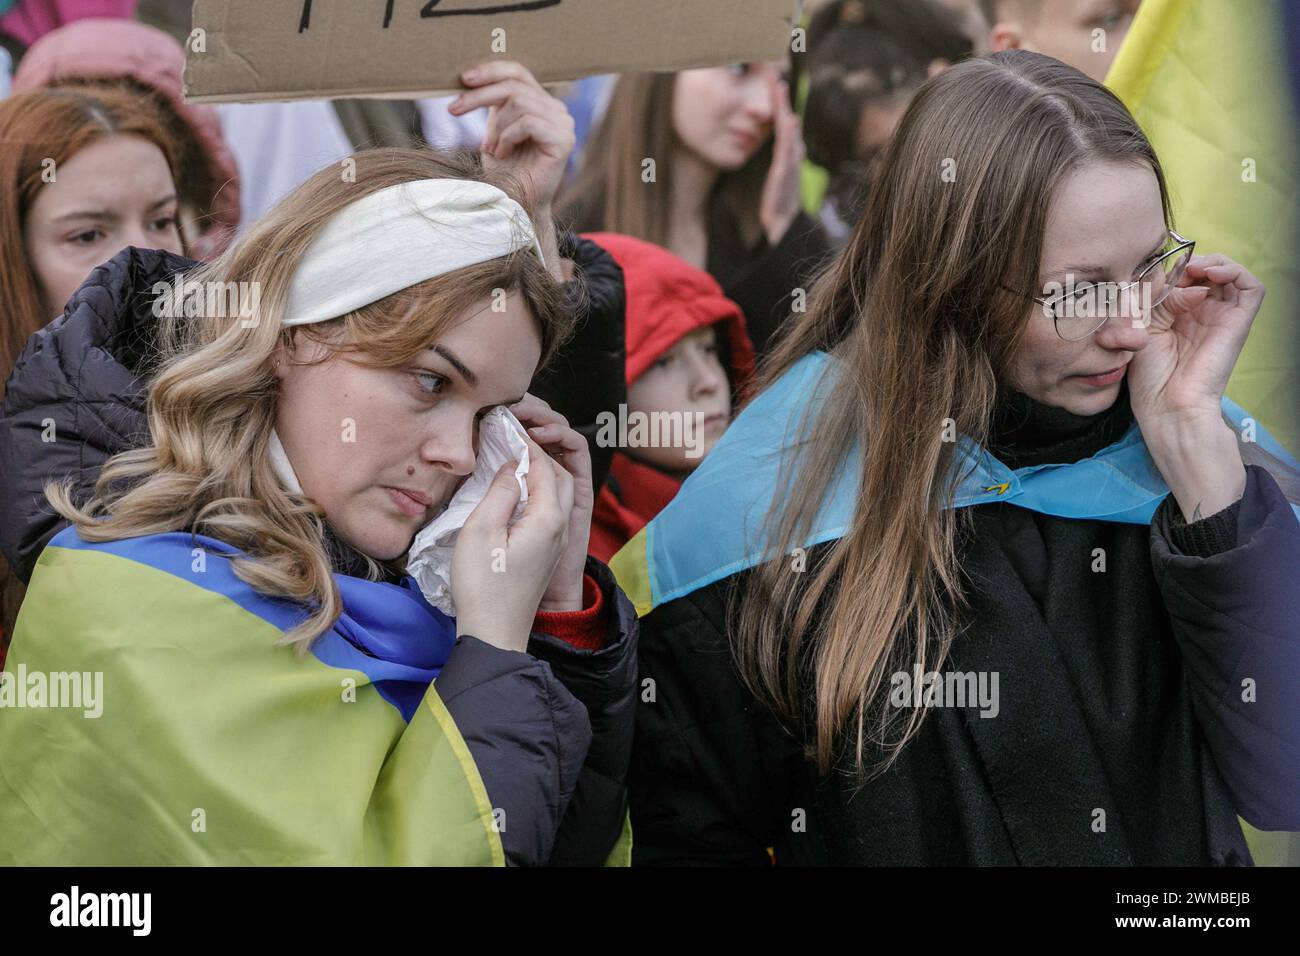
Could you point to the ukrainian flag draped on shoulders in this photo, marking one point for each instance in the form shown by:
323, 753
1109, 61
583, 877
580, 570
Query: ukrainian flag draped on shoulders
713, 528
213, 742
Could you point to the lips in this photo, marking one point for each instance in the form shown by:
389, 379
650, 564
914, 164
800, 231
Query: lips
1107, 377
419, 496
413, 504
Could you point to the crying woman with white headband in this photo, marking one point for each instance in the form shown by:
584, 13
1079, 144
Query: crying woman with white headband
339, 596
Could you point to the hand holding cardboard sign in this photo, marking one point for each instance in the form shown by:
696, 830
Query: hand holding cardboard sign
529, 131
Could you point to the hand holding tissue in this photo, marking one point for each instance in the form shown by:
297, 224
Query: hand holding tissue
501, 439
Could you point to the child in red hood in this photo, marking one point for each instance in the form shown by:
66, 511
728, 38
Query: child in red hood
687, 352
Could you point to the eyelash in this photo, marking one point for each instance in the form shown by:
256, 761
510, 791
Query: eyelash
163, 222
663, 362
444, 381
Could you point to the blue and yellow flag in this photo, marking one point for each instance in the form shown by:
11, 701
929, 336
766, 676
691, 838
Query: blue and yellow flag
151, 717
1211, 85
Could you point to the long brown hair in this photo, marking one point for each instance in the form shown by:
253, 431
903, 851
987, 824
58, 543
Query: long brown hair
608, 193
212, 406
36, 127
916, 314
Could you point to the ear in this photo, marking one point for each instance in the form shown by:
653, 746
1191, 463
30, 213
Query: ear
282, 356
1007, 35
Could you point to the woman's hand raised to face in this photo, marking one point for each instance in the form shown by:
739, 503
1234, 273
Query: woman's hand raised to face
570, 454
1195, 338
1177, 380
499, 571
502, 576
779, 204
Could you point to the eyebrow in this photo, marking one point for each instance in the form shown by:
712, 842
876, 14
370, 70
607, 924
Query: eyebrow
1093, 270
106, 215
457, 364
469, 376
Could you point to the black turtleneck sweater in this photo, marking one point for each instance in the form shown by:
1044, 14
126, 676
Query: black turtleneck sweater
1117, 682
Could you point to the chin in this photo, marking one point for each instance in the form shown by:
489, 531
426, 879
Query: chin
383, 545
1094, 402
729, 162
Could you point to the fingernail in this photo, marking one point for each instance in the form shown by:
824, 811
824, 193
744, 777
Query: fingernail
471, 74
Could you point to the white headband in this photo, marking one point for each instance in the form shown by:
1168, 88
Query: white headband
402, 235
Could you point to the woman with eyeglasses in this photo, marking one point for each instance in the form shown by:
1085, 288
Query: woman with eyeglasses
976, 577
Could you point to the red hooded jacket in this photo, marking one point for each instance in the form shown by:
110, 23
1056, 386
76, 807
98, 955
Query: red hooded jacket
667, 299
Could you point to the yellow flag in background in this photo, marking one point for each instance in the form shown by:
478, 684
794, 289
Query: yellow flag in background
1208, 81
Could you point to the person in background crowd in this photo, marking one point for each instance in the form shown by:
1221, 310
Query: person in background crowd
84, 172
972, 19
688, 355
987, 572
518, 753
865, 61
1086, 34
113, 51
706, 163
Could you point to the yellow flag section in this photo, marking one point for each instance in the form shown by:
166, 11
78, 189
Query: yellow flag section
1208, 82
214, 744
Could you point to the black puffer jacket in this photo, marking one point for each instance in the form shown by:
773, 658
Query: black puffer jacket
587, 377
555, 721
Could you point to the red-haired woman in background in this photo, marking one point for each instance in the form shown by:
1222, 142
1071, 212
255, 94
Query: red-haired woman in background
84, 173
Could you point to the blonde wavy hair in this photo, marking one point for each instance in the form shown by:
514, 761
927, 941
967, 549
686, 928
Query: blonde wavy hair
212, 405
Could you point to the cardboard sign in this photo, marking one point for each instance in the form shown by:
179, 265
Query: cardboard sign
255, 50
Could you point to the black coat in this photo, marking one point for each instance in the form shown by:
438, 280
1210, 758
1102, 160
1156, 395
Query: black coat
550, 730
763, 280
1120, 691
586, 376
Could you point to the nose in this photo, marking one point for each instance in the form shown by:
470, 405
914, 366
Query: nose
134, 235
758, 98
706, 375
452, 445
1126, 329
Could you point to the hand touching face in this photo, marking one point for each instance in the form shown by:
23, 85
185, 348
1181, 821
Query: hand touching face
382, 449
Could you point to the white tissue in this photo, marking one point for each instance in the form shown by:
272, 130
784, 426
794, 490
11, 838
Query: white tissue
501, 439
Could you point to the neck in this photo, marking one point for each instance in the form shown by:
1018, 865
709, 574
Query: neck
1026, 432
692, 182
